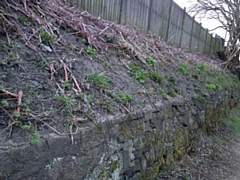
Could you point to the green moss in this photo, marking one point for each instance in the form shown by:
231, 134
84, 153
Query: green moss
108, 169
45, 36
169, 160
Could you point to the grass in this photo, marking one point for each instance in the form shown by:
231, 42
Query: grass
123, 98
99, 80
233, 121
137, 73
45, 36
182, 68
155, 76
90, 51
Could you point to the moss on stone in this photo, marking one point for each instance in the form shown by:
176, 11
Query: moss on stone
108, 169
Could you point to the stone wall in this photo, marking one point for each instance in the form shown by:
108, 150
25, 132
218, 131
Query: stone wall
132, 146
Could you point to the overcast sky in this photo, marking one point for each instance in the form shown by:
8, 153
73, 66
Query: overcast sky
208, 24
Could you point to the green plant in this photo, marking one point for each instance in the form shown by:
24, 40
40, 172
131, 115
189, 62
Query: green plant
155, 76
176, 89
137, 73
172, 80
72, 47
90, 51
35, 138
183, 176
150, 62
67, 84
182, 68
67, 100
107, 64
123, 98
163, 94
211, 87
106, 105
4, 103
171, 93
201, 67
45, 36
100, 80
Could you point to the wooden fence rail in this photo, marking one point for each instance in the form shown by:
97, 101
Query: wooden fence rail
163, 18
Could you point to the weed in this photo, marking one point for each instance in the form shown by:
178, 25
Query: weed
107, 64
35, 138
90, 51
163, 94
172, 80
16, 114
212, 87
123, 98
183, 176
155, 76
106, 105
11, 55
201, 67
99, 80
72, 47
4, 103
175, 88
66, 100
150, 62
171, 93
67, 84
182, 68
45, 36
137, 73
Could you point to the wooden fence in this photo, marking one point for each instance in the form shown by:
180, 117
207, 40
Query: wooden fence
161, 17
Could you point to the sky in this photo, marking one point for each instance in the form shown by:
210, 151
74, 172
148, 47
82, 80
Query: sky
208, 24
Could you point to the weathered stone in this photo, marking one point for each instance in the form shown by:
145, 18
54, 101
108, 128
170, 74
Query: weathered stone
118, 149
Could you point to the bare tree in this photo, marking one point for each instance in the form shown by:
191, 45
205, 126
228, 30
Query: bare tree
226, 12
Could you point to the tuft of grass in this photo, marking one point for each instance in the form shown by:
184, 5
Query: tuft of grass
155, 76
150, 62
45, 36
201, 67
99, 80
172, 80
182, 68
90, 51
107, 64
212, 87
137, 73
123, 98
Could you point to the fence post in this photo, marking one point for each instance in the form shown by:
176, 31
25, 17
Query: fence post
210, 45
169, 20
121, 11
205, 42
190, 45
184, 15
149, 15
199, 35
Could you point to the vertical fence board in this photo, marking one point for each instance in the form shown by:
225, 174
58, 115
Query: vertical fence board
174, 34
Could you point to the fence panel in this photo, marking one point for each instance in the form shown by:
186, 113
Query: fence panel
163, 18
159, 17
